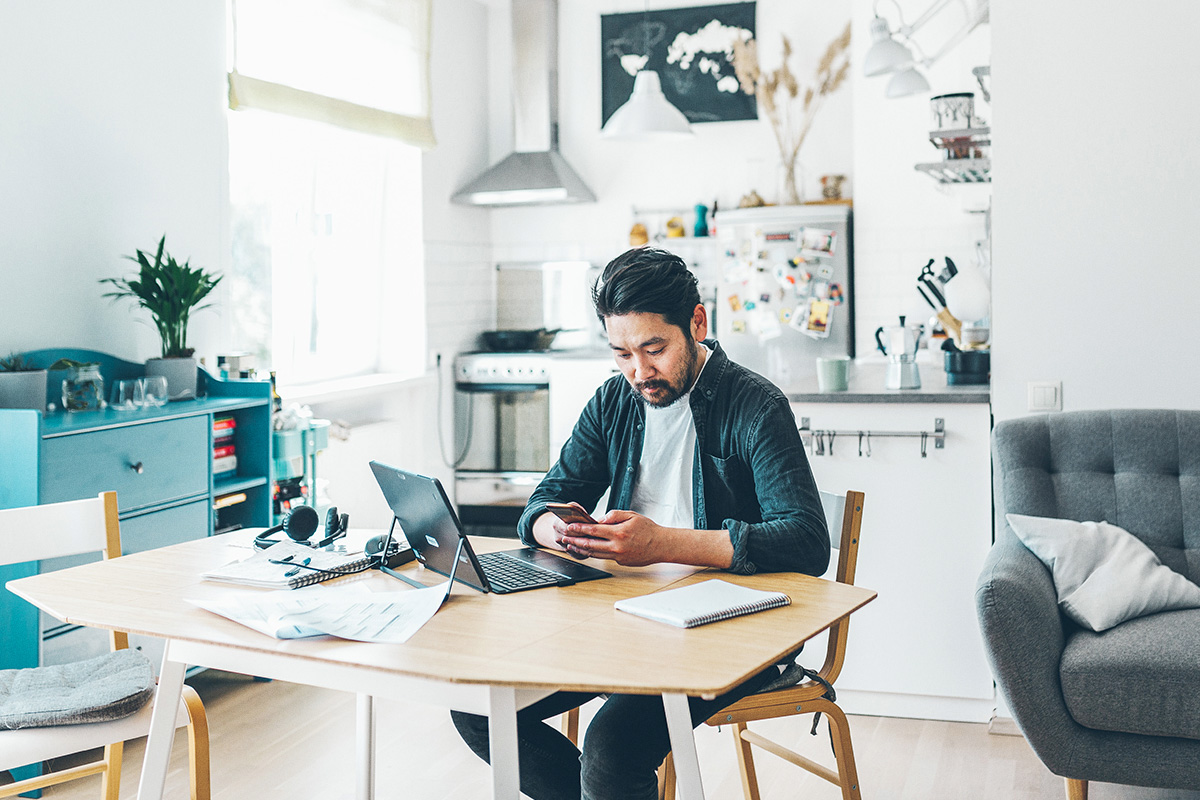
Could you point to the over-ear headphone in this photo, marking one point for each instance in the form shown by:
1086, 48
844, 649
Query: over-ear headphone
300, 523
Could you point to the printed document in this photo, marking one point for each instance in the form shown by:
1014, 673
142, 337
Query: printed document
348, 612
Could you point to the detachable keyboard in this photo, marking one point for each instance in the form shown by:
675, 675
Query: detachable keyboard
507, 573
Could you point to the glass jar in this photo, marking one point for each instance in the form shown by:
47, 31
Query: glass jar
83, 388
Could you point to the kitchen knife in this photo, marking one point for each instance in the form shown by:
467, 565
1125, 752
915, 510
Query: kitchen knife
926, 277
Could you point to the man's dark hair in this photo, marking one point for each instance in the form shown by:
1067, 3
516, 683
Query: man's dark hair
647, 280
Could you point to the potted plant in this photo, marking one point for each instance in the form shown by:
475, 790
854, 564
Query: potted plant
170, 291
22, 384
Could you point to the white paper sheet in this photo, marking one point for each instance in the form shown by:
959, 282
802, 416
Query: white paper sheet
348, 612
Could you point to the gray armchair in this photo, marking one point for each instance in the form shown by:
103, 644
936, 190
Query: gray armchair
1122, 706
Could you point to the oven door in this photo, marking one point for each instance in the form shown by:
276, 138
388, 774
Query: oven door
504, 433
490, 503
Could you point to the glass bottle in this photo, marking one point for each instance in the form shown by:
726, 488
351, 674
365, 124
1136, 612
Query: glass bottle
83, 388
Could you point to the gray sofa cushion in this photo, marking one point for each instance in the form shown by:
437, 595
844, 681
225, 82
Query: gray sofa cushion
100, 689
1139, 677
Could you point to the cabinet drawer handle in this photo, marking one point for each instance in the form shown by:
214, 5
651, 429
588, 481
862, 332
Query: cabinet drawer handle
138, 468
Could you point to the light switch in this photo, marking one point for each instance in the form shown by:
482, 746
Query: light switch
1045, 396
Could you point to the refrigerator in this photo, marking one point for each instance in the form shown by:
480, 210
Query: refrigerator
779, 282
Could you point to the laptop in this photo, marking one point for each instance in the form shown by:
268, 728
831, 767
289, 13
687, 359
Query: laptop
427, 518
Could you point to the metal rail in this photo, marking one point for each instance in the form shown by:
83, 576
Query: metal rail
818, 438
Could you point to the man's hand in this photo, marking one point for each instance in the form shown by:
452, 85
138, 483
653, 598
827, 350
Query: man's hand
622, 536
633, 540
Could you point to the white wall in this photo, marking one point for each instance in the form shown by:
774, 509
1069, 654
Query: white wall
114, 134
1096, 195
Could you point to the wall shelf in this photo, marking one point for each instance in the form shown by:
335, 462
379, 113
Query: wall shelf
965, 159
959, 170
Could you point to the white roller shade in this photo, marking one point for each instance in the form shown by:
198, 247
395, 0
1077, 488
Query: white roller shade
358, 64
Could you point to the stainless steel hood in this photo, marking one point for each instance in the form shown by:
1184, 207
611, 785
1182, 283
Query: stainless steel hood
536, 174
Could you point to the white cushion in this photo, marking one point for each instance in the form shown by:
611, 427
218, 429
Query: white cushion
1104, 575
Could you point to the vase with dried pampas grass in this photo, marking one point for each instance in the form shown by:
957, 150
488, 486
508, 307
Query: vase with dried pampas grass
779, 96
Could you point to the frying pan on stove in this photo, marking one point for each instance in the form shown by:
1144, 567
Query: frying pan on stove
511, 341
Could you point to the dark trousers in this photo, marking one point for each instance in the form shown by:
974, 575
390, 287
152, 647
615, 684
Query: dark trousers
622, 748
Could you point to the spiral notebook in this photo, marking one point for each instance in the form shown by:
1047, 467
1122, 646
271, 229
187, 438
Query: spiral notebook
260, 569
702, 603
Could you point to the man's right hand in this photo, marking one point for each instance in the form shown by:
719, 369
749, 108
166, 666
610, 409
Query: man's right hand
549, 531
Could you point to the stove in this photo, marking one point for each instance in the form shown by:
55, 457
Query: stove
498, 372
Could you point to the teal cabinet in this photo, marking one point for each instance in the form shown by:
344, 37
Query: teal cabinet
158, 460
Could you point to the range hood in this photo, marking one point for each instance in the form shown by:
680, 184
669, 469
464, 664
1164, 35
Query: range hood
536, 174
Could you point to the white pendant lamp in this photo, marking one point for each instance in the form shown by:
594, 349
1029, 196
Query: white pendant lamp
885, 54
647, 114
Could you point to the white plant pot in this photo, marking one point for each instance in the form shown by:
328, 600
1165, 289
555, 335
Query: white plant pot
180, 374
23, 390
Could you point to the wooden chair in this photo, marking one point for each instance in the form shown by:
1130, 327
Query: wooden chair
48, 531
813, 696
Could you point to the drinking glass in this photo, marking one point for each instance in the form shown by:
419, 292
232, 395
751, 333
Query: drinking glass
127, 395
155, 390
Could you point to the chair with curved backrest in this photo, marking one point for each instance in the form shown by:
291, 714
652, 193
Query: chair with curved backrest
797, 691
36, 533
1118, 705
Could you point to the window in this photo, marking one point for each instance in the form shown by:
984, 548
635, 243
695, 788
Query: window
327, 278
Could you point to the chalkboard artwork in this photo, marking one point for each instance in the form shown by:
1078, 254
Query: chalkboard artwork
691, 49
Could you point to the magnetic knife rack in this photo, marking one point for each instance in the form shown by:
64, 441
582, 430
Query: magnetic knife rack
817, 439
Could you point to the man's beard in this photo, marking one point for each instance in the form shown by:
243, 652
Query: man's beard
672, 393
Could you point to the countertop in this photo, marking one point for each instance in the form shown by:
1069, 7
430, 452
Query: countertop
867, 386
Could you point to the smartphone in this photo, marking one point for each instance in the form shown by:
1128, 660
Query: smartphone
569, 513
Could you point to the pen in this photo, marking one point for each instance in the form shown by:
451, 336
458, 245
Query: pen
295, 570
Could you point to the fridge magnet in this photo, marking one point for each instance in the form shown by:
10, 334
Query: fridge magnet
738, 326
836, 295
765, 297
768, 327
824, 271
818, 242
813, 318
785, 315
748, 305
735, 303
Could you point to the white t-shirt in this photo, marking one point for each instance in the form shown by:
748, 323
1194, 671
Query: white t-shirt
664, 487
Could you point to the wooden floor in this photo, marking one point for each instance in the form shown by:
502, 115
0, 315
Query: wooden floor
281, 740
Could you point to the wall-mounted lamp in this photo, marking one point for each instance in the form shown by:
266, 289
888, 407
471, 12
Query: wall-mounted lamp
889, 56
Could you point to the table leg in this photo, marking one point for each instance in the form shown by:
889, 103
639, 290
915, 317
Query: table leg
683, 747
365, 749
502, 739
162, 728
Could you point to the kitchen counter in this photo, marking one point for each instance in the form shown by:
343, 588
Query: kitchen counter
867, 382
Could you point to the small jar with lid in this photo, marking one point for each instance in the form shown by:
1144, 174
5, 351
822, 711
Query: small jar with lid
83, 388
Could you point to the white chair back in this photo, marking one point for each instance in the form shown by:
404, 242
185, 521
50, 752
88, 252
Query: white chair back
36, 533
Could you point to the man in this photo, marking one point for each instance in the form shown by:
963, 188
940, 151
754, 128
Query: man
704, 466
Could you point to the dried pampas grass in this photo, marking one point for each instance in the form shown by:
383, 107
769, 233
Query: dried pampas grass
778, 89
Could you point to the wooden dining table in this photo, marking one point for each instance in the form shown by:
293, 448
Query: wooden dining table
482, 653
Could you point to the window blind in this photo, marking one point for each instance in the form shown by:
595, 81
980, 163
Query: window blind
362, 65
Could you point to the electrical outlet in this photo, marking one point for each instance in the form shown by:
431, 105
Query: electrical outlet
1045, 395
